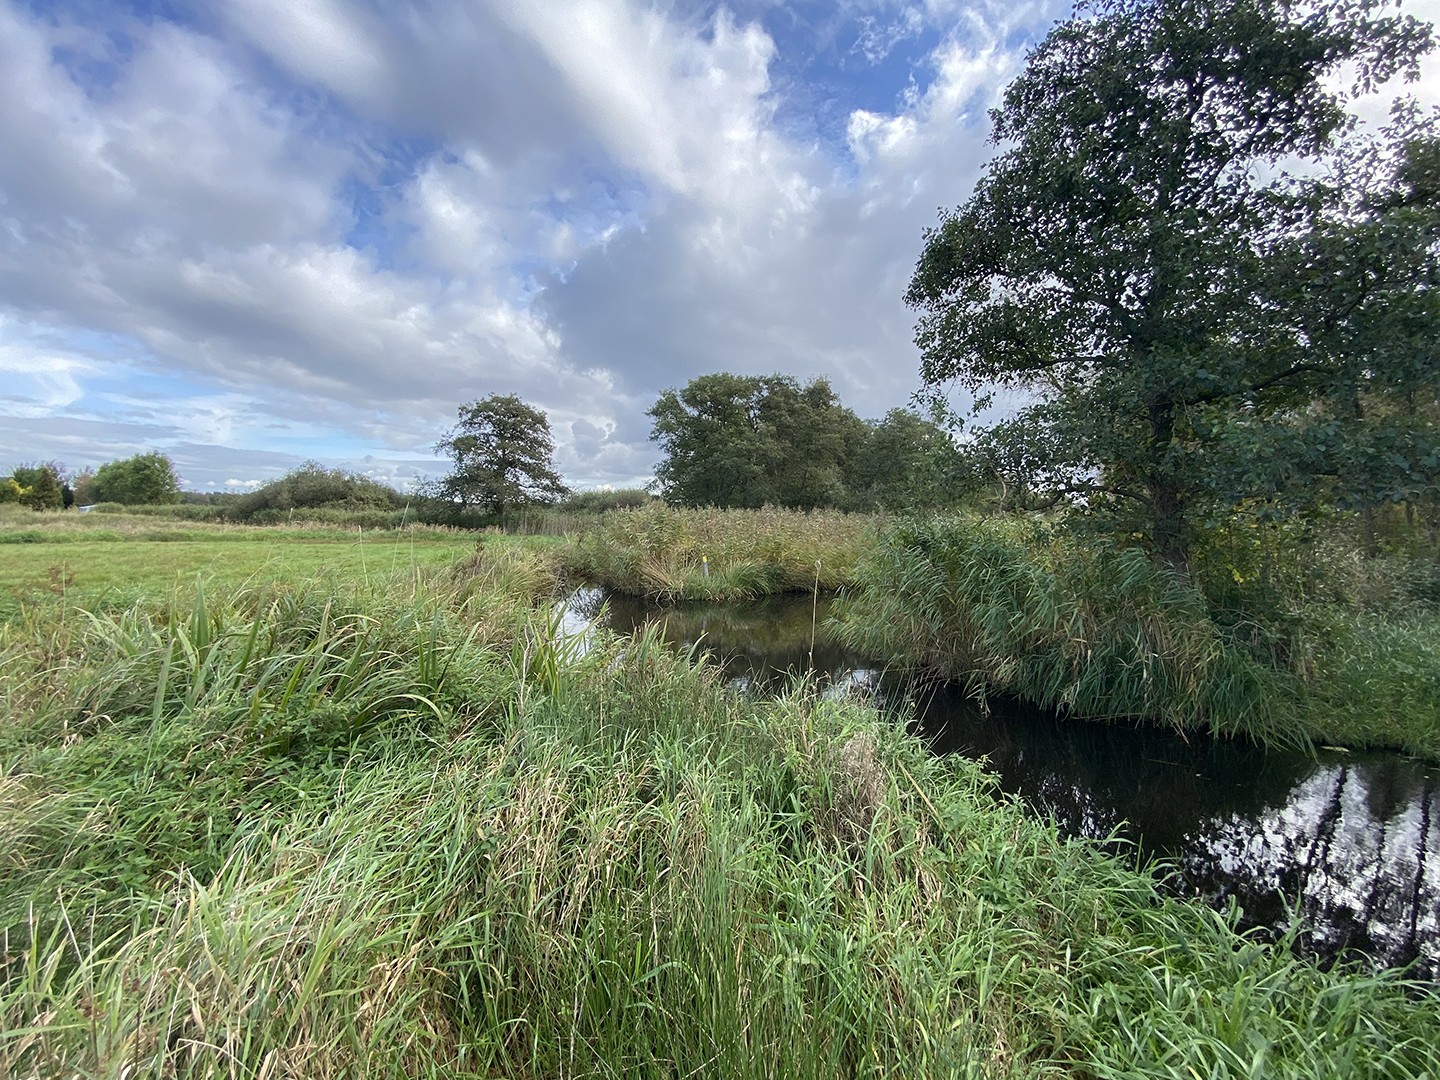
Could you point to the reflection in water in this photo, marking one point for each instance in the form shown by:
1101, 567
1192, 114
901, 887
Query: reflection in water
1348, 841
1346, 838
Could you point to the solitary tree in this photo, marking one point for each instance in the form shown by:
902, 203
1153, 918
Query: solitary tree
1136, 256
142, 480
503, 457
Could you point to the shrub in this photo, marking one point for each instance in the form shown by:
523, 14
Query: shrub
313, 487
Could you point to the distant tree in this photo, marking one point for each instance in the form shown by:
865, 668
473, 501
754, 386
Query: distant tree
732, 440
1173, 253
42, 486
142, 480
81, 489
907, 463
503, 457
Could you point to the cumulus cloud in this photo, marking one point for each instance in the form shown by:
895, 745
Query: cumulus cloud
306, 228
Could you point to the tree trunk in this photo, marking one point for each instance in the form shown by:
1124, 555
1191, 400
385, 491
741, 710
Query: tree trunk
1168, 531
1354, 412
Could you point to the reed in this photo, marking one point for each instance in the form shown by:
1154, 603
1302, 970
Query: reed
671, 553
407, 830
1014, 606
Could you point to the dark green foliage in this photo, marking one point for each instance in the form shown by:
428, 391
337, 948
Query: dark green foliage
313, 487
907, 463
210, 498
40, 486
142, 480
1181, 306
745, 441
503, 459
598, 501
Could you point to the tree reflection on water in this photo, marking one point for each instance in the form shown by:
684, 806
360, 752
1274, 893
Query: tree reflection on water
1344, 841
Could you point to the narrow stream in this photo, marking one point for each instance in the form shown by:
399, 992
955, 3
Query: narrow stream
1348, 842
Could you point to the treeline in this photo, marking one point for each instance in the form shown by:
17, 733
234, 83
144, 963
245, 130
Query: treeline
313, 493
145, 479
751, 441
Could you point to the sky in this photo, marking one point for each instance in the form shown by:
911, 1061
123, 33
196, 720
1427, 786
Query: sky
258, 232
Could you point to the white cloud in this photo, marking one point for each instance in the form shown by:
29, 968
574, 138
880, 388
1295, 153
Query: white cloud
39, 381
578, 201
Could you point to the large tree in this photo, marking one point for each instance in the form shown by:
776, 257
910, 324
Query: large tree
1134, 257
736, 440
142, 480
503, 457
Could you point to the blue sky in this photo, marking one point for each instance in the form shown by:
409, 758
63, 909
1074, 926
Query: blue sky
262, 231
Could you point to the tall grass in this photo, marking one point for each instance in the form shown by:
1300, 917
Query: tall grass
408, 831
1376, 682
670, 553
60, 527
1295, 645
1011, 605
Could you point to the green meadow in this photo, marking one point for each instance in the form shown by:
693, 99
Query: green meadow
344, 810
112, 560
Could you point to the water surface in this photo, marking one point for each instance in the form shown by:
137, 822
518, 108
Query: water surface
1344, 842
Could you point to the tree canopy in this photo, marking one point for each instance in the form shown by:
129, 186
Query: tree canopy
906, 462
1181, 257
40, 486
737, 440
142, 480
748, 440
503, 457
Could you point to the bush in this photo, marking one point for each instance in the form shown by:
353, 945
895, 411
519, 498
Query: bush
600, 501
313, 487
142, 480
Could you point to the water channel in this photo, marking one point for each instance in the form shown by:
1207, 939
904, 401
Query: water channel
1346, 842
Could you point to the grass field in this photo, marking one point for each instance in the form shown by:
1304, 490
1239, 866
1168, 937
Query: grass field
111, 561
402, 828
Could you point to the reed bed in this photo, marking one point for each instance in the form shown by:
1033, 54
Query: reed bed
671, 553
1025, 608
409, 828
1015, 606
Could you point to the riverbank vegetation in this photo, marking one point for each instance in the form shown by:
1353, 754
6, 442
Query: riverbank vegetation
672, 553
400, 827
1320, 645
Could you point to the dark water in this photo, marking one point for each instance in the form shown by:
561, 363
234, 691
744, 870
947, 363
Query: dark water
1345, 842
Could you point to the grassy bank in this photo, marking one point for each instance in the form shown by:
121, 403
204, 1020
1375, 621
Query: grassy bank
1025, 608
668, 553
400, 829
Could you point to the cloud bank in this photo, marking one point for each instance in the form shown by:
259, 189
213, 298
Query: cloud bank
288, 229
